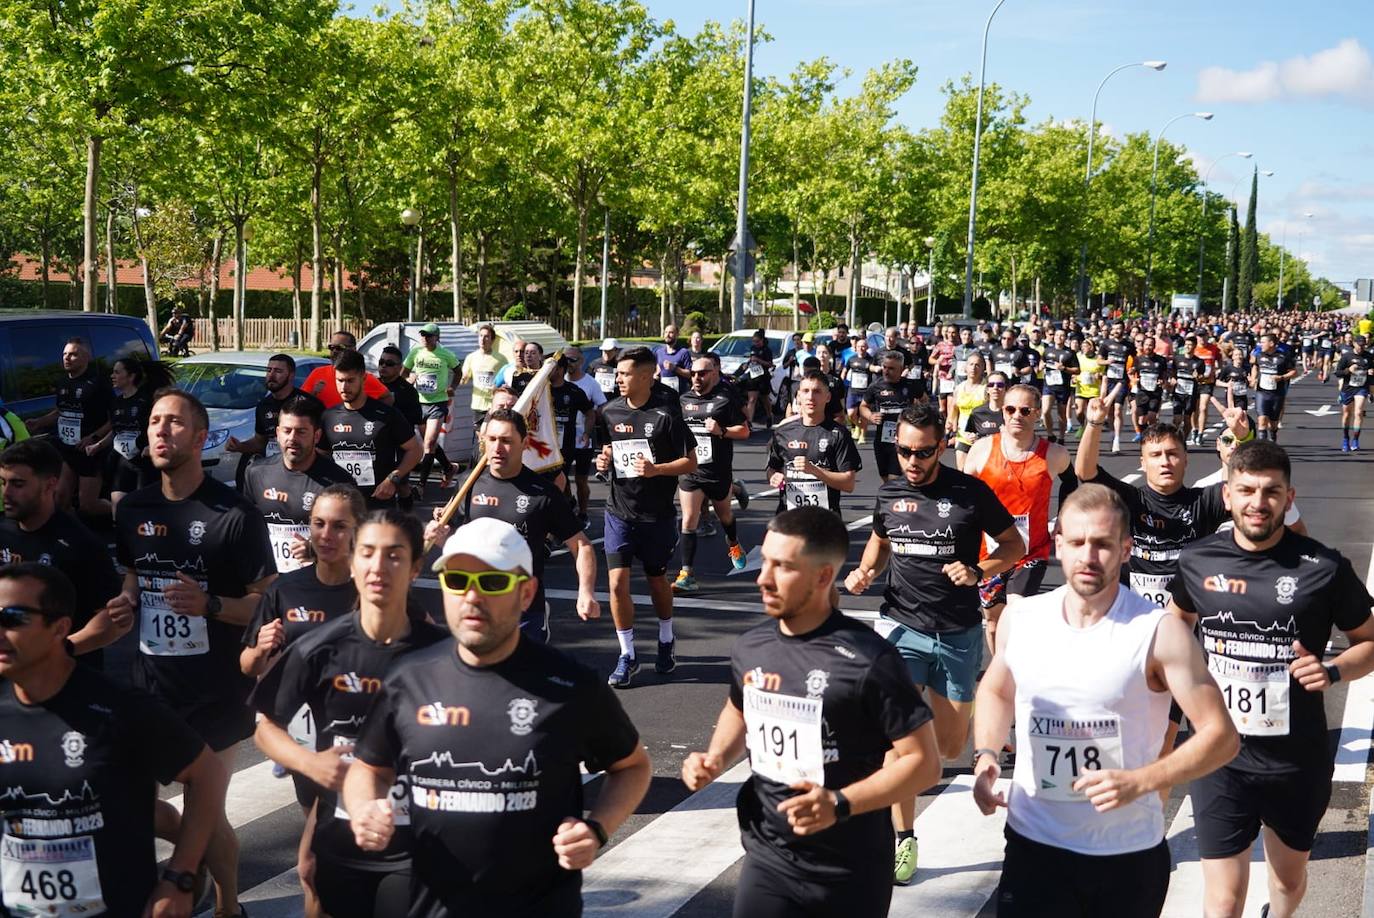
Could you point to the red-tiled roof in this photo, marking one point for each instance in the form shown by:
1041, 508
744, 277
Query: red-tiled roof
130, 273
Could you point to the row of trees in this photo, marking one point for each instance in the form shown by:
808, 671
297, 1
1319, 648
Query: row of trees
177, 132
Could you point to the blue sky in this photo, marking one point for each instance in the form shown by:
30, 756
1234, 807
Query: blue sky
1291, 82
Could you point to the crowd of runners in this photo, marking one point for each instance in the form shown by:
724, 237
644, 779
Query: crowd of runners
438, 763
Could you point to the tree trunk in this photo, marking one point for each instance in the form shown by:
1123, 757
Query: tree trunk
89, 258
240, 284
420, 274
316, 253
1013, 285
456, 235
362, 303
296, 316
111, 273
725, 319
796, 283
45, 248
663, 291
1037, 295
854, 278
579, 268
481, 272
150, 297
216, 259
338, 289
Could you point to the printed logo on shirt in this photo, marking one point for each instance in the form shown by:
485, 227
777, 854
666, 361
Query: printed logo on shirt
74, 748
1220, 583
274, 494
15, 752
816, 682
343, 428
522, 503
301, 615
1284, 590
151, 529
10, 557
354, 684
796, 444
821, 444
943, 507
368, 427
196, 531
486, 500
522, 713
625, 428
904, 505
648, 430
436, 714
307, 500
769, 682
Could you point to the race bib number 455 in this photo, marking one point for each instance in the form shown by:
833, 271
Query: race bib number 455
783, 733
1062, 749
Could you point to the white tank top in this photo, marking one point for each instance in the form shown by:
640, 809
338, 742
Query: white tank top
1083, 702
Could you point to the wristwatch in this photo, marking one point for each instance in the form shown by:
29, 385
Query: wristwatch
598, 830
979, 753
842, 812
1333, 672
183, 880
213, 606
394, 477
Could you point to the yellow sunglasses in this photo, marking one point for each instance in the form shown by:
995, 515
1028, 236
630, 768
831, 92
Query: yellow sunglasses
488, 583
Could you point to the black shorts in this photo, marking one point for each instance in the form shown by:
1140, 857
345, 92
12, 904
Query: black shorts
434, 412
1205, 391
1041, 881
220, 724
582, 462
765, 893
348, 892
1185, 404
1230, 805
1023, 580
652, 543
714, 490
1059, 393
126, 476
1147, 403
885, 456
307, 791
1268, 405
82, 465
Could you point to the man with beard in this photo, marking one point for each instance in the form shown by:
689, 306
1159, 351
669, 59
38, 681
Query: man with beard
281, 387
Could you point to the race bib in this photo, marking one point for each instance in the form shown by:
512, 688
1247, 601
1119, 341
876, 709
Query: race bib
302, 728
1239, 388
1063, 749
887, 432
426, 382
605, 378
705, 445
69, 428
1256, 694
783, 733
1005, 368
1154, 587
164, 633
485, 381
754, 371
858, 379
51, 876
1326, 344
947, 386
672, 382
1183, 386
1054, 377
399, 793
126, 444
358, 463
625, 452
1022, 527
915, 372
281, 536
273, 449
1358, 378
804, 491
1149, 382
1268, 381
1115, 372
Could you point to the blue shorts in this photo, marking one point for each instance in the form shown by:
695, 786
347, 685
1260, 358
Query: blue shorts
946, 661
1347, 395
652, 544
1060, 393
853, 399
1269, 404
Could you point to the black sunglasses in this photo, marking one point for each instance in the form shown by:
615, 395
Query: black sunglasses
17, 616
388, 363
699, 372
336, 347
924, 452
1024, 410
997, 385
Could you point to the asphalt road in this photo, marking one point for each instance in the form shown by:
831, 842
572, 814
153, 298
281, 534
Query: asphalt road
678, 856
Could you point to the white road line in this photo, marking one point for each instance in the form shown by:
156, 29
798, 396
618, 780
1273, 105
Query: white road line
657, 870
960, 856
253, 793
1367, 909
1185, 886
1357, 720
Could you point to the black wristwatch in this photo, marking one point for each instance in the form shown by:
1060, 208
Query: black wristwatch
599, 831
183, 880
1333, 672
213, 605
842, 812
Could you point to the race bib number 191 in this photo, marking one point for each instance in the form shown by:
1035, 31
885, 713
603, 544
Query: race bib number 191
783, 733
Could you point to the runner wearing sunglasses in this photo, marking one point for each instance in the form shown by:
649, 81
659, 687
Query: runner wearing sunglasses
928, 528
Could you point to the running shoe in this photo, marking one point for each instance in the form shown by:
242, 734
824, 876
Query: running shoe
1345, 444
667, 661
279, 770
685, 582
625, 669
1354, 444
706, 528
904, 861
736, 553
1138, 437
1116, 445
741, 493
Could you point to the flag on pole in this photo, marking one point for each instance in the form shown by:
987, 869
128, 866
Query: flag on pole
542, 451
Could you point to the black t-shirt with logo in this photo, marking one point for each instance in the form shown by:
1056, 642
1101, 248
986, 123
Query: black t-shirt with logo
77, 774
889, 399
1186, 372
64, 543
654, 430
405, 399
1116, 352
1062, 360
530, 503
828, 445
365, 443
928, 527
219, 540
1011, 362
983, 421
129, 422
569, 401
604, 374
338, 671
715, 455
1251, 607
1272, 365
492, 755
83, 405
861, 373
285, 497
1353, 370
1162, 525
266, 413
302, 603
1150, 370
867, 700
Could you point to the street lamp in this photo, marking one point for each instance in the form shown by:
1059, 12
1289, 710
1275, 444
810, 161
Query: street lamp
1202, 236
973, 185
1235, 189
1282, 252
1088, 175
743, 243
930, 287
1154, 176
411, 218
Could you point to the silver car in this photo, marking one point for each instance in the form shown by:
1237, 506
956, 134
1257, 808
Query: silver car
230, 384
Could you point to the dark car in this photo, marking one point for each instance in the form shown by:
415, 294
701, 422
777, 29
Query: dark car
31, 343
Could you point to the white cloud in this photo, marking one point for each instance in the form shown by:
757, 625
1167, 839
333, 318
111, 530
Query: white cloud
1345, 71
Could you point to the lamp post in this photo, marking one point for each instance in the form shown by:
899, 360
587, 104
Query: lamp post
1283, 250
411, 218
1301, 230
743, 244
1088, 176
1202, 236
973, 185
1154, 176
930, 287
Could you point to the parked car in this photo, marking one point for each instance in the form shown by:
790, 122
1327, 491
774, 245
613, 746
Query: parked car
230, 384
733, 348
31, 342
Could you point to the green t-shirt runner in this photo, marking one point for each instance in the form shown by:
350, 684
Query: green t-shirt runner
433, 372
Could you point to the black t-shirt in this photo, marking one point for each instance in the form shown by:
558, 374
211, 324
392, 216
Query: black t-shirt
302, 603
1060, 360
1353, 370
568, 402
64, 543
83, 405
889, 399
79, 774
983, 421
1011, 362
860, 373
285, 497
129, 422
364, 443
928, 527
1162, 525
828, 445
604, 374
1188, 368
867, 700
1150, 370
405, 399
266, 413
654, 430
492, 755
715, 455
1270, 366
1251, 607
530, 503
218, 539
338, 671
1116, 351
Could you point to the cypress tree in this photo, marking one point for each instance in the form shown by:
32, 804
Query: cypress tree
1249, 250
1232, 263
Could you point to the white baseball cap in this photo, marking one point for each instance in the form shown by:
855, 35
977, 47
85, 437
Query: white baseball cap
610, 344
491, 541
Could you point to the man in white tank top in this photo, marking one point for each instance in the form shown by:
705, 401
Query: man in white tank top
1087, 671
